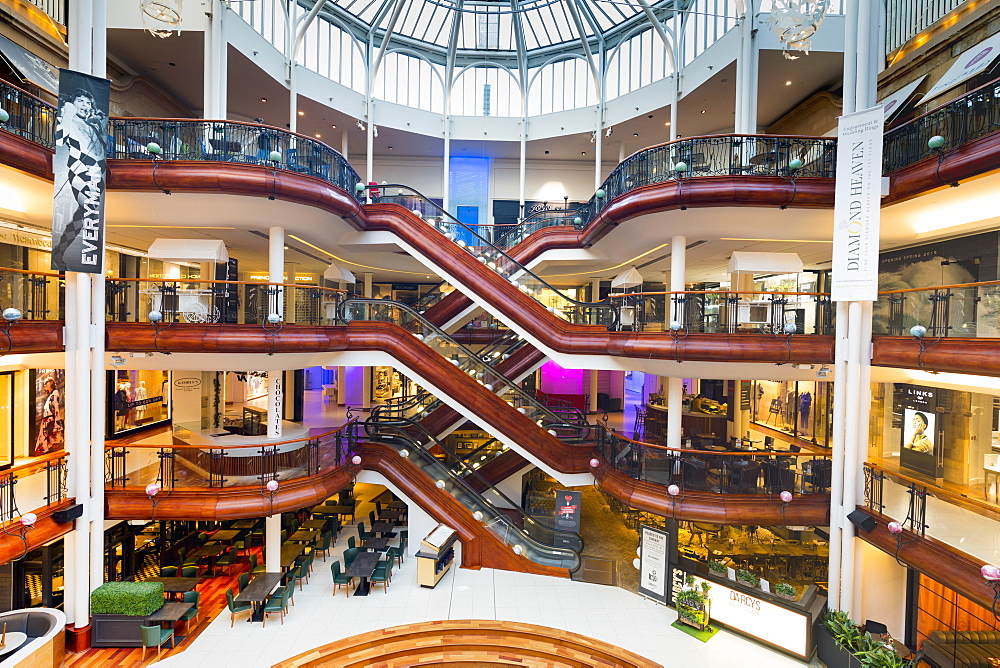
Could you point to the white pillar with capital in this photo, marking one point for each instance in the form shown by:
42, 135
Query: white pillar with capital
675, 387
276, 305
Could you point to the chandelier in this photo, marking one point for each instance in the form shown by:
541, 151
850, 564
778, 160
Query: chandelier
795, 22
161, 17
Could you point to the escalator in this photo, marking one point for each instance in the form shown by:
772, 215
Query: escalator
561, 325
501, 516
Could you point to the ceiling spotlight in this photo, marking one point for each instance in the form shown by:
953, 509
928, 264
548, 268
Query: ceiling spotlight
390, 148
334, 127
361, 126
788, 83
263, 99
583, 153
318, 135
546, 153
635, 134
375, 130
302, 113
593, 136
667, 124
607, 133
703, 111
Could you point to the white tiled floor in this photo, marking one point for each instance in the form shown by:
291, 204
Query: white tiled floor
607, 613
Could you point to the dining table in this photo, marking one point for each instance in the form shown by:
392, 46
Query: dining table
316, 525
170, 612
244, 524
176, 585
303, 536
375, 544
383, 528
226, 535
210, 552
289, 553
390, 515
257, 592
363, 567
396, 505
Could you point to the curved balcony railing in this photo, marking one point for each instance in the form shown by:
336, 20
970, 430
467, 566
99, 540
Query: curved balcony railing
190, 139
511, 235
963, 310
540, 543
965, 119
38, 295
199, 301
724, 312
723, 471
48, 488
250, 465
720, 155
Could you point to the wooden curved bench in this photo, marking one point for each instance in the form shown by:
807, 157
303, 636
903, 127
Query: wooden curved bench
483, 642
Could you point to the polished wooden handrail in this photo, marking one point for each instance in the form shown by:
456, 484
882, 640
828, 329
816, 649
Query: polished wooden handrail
726, 453
991, 84
53, 274
206, 280
185, 446
249, 124
620, 295
937, 491
941, 287
718, 136
31, 464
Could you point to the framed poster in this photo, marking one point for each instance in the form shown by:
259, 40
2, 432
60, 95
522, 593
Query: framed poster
920, 442
654, 575
48, 413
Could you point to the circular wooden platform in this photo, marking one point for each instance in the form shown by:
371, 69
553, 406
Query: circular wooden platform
469, 644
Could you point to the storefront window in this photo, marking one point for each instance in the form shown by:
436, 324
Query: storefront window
797, 408
137, 400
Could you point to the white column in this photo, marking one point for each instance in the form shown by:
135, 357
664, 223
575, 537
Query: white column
522, 166
216, 63
366, 376
746, 75
276, 269
446, 167
593, 391
272, 543
78, 435
675, 388
98, 403
344, 144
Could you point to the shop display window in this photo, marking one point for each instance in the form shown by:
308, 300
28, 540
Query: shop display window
137, 398
798, 408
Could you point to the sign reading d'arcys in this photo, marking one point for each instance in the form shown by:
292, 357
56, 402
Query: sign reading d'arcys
80, 173
856, 211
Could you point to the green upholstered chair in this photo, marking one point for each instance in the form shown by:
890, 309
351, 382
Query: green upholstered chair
194, 598
154, 636
234, 607
340, 579
168, 571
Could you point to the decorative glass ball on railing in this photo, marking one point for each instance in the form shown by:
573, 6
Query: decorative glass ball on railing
154, 148
478, 516
895, 528
4, 116
673, 490
918, 331
681, 167
786, 496
936, 142
676, 326
272, 486
359, 186
356, 460
155, 316
795, 163
990, 572
152, 489
275, 156
28, 520
789, 328
600, 193
578, 220
518, 549
273, 318
11, 314
439, 484
404, 453
594, 463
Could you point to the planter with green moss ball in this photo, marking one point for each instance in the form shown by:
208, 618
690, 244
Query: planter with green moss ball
118, 609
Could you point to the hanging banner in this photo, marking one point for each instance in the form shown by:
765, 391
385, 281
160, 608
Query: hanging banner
653, 575
857, 202
80, 173
972, 62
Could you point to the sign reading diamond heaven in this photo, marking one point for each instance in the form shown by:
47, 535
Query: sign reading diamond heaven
857, 204
80, 171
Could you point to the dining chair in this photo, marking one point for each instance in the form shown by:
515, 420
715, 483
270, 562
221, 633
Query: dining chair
235, 607
194, 598
227, 559
340, 579
256, 567
349, 555
299, 574
363, 534
154, 636
382, 575
189, 572
323, 543
243, 579
352, 542
276, 603
168, 571
371, 517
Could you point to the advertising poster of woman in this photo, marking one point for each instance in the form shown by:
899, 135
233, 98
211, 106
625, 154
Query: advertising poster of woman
48, 419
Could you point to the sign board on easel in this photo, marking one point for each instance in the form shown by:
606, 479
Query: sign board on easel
654, 576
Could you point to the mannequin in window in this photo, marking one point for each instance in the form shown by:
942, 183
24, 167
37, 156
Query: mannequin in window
805, 405
120, 403
140, 394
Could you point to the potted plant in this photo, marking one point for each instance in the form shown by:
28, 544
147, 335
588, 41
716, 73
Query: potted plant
787, 591
693, 606
119, 609
842, 644
747, 578
717, 568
